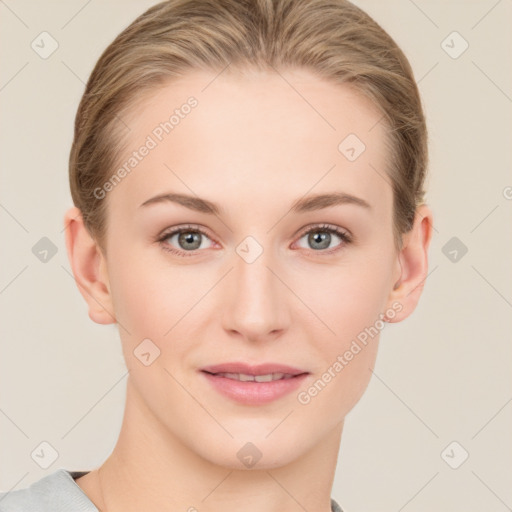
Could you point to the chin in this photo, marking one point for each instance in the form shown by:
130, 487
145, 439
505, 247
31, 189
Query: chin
253, 451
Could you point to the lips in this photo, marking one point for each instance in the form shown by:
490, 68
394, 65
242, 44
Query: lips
254, 384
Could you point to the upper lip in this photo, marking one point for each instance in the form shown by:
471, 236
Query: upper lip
248, 369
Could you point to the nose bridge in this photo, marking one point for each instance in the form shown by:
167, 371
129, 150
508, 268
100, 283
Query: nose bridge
256, 307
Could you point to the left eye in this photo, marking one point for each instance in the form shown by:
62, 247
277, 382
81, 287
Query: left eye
320, 237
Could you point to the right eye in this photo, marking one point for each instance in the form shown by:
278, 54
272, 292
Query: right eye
188, 239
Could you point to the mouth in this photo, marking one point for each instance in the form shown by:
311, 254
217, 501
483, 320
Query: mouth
254, 385
245, 377
245, 372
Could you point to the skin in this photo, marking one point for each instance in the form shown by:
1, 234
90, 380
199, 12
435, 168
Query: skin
295, 304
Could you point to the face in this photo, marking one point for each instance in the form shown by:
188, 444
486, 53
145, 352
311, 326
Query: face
254, 267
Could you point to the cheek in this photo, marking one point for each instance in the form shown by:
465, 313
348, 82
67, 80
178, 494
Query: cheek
148, 302
154, 301
136, 301
147, 298
348, 303
343, 301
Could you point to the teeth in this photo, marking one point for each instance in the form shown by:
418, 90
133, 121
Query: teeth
258, 378
264, 378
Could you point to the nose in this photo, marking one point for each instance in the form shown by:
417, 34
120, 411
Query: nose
256, 305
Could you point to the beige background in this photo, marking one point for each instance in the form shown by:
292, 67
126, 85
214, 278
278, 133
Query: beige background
443, 375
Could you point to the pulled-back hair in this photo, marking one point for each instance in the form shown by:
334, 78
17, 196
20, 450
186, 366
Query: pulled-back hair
332, 38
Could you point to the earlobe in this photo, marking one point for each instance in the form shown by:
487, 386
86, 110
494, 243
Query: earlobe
413, 261
89, 268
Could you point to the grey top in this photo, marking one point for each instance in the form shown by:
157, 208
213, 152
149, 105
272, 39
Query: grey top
58, 492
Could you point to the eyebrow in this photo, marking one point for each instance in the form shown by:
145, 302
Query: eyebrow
304, 204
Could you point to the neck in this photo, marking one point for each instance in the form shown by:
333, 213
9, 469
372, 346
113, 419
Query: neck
150, 469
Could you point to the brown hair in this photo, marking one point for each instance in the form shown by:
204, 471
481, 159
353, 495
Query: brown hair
332, 38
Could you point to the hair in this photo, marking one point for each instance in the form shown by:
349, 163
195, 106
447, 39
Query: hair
333, 39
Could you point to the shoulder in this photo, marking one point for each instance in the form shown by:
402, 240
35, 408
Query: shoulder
56, 492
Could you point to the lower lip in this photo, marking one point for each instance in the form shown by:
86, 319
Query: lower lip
252, 392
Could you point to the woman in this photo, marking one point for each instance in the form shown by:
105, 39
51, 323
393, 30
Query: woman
249, 209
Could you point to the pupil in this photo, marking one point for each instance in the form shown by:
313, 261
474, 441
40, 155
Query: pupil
322, 238
189, 238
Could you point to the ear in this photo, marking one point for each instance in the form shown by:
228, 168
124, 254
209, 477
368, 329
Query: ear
89, 268
413, 263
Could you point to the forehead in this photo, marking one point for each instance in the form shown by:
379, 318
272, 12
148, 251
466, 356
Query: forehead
252, 134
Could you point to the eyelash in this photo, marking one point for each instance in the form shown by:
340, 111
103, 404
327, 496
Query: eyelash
343, 235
